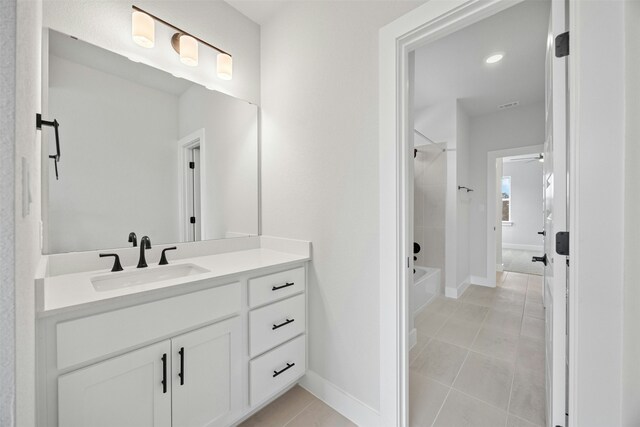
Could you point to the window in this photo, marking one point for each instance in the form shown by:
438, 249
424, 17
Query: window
506, 198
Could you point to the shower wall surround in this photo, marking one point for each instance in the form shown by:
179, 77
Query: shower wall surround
430, 173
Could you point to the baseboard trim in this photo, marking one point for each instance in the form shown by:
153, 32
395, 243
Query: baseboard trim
522, 247
459, 290
483, 281
356, 411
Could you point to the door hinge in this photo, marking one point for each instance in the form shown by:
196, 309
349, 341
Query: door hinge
562, 45
192, 220
192, 165
562, 243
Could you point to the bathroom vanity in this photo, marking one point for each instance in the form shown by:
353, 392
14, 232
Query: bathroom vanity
202, 335
211, 341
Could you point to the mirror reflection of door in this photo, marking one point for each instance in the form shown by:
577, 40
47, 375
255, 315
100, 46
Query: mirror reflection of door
193, 195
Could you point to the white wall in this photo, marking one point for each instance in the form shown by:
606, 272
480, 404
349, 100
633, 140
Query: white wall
463, 198
526, 205
631, 354
108, 24
124, 143
19, 242
320, 173
517, 127
230, 187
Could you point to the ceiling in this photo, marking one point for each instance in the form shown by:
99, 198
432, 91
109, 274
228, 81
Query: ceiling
453, 67
259, 11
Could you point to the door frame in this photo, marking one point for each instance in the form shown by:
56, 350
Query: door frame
492, 156
185, 145
424, 24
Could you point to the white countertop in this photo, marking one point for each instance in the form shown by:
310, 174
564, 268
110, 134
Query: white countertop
74, 290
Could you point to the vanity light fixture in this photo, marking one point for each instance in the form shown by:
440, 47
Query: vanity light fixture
143, 30
493, 58
185, 44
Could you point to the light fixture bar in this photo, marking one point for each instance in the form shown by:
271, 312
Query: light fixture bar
179, 30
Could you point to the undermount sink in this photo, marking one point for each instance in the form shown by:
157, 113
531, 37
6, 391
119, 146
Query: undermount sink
110, 282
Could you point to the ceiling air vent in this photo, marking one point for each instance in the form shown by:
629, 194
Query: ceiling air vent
508, 105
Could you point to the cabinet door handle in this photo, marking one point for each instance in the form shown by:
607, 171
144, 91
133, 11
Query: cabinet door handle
289, 365
286, 322
164, 373
286, 285
181, 373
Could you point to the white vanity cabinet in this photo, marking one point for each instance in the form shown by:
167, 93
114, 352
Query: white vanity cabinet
206, 353
123, 391
189, 380
277, 332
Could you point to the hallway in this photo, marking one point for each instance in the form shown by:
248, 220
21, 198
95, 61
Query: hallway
479, 360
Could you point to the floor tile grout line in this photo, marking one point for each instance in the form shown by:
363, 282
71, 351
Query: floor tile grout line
303, 409
442, 405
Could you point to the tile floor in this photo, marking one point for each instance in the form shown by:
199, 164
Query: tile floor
479, 360
297, 408
519, 261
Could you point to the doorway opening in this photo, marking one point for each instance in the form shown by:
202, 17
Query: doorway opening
520, 219
449, 344
191, 173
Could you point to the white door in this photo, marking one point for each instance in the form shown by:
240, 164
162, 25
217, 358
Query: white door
207, 375
132, 390
555, 220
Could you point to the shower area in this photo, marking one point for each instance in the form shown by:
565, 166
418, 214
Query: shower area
442, 196
430, 187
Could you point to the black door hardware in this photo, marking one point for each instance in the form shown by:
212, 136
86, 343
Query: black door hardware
562, 243
145, 243
543, 259
462, 187
286, 322
562, 45
116, 263
133, 239
181, 373
55, 125
289, 365
286, 285
416, 247
542, 233
192, 220
164, 373
163, 257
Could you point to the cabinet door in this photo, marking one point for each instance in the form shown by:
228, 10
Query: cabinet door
124, 391
207, 375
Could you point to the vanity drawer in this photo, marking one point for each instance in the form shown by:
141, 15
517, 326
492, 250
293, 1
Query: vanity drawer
265, 289
88, 338
276, 369
275, 324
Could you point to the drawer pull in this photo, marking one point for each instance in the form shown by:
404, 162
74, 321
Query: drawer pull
286, 285
164, 373
289, 365
181, 374
286, 322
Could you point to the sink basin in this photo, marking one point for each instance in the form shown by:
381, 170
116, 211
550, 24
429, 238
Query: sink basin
110, 282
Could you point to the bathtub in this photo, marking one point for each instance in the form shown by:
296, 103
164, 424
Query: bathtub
426, 284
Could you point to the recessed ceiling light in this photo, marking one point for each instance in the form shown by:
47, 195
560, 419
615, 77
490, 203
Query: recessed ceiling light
493, 58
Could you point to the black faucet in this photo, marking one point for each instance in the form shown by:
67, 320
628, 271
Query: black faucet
145, 243
133, 239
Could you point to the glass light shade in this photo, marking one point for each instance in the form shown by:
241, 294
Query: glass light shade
188, 50
225, 66
142, 29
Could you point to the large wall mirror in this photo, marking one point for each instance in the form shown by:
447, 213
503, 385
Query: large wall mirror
142, 151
